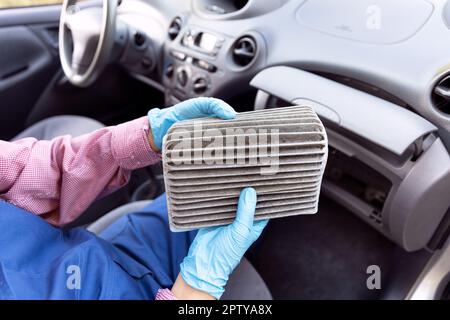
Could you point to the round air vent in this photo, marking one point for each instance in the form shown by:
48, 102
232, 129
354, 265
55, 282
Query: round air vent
244, 51
174, 28
224, 6
441, 95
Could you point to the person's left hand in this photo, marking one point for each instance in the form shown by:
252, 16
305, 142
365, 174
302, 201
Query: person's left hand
162, 119
216, 251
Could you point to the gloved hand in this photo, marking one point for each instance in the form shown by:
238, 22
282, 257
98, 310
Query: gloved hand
216, 251
162, 120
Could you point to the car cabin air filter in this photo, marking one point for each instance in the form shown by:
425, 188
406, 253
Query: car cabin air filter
280, 152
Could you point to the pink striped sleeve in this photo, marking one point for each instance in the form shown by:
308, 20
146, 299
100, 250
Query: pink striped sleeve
165, 294
59, 179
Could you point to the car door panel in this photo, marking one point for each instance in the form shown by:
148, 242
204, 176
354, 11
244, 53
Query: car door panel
29, 15
32, 86
28, 61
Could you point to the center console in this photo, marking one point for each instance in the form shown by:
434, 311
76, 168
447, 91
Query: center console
197, 61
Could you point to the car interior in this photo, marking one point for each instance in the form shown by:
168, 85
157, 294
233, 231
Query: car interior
377, 73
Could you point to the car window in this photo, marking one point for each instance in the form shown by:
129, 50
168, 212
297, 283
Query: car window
26, 3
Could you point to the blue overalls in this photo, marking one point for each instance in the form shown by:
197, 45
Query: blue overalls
131, 259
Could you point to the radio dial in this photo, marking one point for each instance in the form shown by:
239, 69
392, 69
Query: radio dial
200, 85
169, 71
182, 77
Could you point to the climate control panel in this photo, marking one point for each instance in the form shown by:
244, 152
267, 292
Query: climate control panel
187, 76
199, 62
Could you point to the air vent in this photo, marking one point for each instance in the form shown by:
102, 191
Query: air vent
244, 51
215, 9
174, 28
441, 95
280, 152
220, 7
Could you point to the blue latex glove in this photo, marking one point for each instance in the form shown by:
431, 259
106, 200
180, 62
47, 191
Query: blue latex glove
216, 251
162, 120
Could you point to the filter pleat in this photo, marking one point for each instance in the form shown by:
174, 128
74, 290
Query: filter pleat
315, 163
217, 222
211, 172
227, 154
236, 191
230, 212
267, 201
214, 208
299, 125
247, 178
306, 136
256, 183
261, 197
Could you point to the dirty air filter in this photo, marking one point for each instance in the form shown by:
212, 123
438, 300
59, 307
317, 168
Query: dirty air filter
280, 152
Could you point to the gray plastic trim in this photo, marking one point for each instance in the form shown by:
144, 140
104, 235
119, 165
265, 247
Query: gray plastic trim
29, 15
368, 116
421, 199
434, 278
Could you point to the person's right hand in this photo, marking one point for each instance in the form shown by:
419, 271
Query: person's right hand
216, 251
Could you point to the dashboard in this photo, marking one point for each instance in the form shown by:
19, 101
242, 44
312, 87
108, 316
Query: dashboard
215, 47
376, 71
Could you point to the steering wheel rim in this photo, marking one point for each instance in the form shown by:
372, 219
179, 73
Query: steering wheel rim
104, 45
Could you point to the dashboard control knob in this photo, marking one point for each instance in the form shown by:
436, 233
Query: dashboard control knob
169, 71
178, 55
204, 65
146, 63
139, 39
200, 86
182, 77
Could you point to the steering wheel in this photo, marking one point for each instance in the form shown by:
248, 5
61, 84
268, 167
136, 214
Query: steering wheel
92, 30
